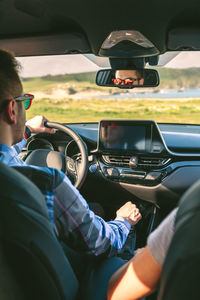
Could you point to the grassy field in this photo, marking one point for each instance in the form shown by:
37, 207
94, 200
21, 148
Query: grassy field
89, 110
71, 99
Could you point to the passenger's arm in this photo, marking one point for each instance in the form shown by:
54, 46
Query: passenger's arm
140, 276
135, 279
77, 225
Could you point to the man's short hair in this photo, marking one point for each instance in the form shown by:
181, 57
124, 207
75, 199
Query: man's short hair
9, 68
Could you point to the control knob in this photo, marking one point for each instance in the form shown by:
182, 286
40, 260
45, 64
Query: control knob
133, 162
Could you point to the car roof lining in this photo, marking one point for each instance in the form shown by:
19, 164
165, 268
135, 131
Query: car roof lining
25, 19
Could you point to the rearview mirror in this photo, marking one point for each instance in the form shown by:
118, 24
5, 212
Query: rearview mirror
128, 79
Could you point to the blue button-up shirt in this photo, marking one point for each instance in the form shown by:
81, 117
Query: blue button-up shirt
69, 213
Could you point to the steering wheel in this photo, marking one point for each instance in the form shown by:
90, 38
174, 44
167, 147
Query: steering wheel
75, 168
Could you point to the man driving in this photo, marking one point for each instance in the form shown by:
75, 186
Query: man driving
69, 214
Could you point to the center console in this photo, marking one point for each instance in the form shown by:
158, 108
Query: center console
132, 151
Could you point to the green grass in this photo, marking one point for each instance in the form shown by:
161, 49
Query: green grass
48, 86
95, 109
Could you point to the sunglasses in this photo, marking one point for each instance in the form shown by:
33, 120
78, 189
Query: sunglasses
27, 98
128, 81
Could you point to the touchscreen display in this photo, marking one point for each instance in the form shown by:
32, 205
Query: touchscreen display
122, 135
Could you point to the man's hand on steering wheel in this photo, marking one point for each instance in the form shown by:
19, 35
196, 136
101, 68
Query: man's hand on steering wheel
37, 125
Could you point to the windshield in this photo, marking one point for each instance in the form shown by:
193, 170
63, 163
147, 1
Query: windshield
74, 98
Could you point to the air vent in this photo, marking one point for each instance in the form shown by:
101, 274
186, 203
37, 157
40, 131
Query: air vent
152, 161
116, 160
123, 161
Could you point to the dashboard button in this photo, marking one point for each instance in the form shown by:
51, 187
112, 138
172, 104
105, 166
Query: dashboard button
153, 175
133, 162
93, 168
157, 148
131, 174
90, 158
112, 172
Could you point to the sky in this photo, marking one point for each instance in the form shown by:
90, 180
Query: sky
67, 64
185, 60
56, 64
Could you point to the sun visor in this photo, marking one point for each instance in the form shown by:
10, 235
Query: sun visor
184, 38
65, 43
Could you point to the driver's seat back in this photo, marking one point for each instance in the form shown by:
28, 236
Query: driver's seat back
181, 271
28, 246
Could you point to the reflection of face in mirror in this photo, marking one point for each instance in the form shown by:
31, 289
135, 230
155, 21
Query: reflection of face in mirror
112, 135
129, 77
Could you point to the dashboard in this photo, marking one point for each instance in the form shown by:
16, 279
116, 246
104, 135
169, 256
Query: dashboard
154, 163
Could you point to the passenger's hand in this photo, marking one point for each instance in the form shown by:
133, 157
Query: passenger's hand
130, 212
36, 125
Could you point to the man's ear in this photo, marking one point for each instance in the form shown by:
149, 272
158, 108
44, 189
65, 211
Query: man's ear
12, 111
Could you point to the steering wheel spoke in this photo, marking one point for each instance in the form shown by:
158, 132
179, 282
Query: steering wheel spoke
70, 164
71, 169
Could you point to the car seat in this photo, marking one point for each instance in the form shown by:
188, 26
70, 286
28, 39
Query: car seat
180, 278
32, 262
